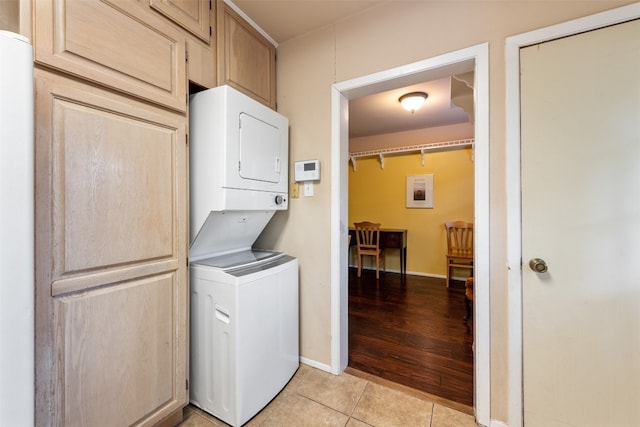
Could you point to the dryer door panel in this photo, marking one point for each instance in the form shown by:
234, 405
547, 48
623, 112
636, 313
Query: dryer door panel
260, 147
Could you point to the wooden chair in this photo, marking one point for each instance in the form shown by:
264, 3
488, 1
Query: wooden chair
368, 243
459, 246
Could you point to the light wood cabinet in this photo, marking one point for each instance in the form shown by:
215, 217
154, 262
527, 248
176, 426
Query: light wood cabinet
198, 18
111, 250
192, 15
111, 197
237, 55
201, 62
246, 59
120, 44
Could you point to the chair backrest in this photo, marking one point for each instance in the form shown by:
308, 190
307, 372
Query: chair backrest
367, 234
459, 238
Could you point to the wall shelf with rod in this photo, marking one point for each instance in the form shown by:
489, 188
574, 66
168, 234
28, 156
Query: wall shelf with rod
422, 149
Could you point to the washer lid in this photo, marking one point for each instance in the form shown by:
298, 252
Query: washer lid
242, 259
228, 232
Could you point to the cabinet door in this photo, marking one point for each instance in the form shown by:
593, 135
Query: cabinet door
120, 44
201, 57
246, 59
111, 250
192, 15
201, 62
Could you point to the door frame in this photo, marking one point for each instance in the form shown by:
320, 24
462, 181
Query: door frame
473, 58
513, 182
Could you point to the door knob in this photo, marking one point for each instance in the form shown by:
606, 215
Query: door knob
538, 265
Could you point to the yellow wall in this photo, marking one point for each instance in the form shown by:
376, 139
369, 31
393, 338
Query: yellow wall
379, 195
388, 36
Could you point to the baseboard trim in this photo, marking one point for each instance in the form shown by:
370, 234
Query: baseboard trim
417, 273
173, 419
315, 364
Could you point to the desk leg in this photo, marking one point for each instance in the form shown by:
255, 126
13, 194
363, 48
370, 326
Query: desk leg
405, 259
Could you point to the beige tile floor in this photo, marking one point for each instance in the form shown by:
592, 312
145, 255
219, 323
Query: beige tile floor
352, 399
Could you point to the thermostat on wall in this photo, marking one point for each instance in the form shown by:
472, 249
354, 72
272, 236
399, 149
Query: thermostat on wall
307, 170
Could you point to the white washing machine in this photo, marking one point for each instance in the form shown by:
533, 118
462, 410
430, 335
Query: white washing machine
244, 332
244, 302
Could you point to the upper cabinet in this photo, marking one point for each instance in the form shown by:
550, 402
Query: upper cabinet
201, 62
201, 51
141, 47
192, 15
246, 59
118, 44
198, 18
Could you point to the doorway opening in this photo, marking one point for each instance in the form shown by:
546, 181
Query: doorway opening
474, 58
407, 325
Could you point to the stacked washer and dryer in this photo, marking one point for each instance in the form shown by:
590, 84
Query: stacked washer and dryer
244, 301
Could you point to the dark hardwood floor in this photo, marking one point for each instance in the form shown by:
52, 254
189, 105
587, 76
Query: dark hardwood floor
411, 331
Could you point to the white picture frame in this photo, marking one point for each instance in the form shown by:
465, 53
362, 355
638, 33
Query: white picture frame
420, 191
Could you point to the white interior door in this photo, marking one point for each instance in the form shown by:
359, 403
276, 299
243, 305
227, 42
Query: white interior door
580, 123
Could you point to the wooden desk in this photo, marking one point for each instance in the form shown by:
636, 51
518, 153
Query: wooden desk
390, 238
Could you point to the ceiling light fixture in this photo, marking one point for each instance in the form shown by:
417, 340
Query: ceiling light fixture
413, 100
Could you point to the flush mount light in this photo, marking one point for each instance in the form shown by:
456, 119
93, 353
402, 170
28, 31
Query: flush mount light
413, 100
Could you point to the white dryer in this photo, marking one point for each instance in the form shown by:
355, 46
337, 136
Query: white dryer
244, 301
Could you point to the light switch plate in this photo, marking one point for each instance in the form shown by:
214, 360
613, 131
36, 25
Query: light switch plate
308, 188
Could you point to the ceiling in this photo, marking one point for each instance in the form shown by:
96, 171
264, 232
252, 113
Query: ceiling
286, 19
382, 113
375, 114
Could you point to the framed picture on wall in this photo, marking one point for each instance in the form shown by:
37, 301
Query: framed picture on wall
420, 191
